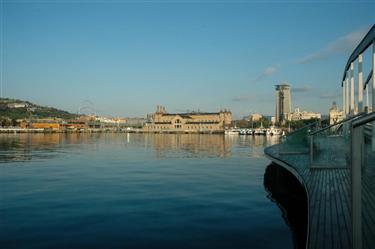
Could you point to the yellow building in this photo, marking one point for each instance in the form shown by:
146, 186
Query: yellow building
50, 124
188, 122
46, 126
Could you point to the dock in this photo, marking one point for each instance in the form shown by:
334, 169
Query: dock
336, 164
329, 189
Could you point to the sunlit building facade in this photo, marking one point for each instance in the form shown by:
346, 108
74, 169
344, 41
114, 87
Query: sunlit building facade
302, 115
188, 122
335, 115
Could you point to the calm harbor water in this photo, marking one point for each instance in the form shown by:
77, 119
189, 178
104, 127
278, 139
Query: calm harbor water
137, 191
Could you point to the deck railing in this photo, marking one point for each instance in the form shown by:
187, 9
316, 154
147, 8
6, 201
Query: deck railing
362, 143
348, 144
329, 146
348, 80
297, 142
362, 175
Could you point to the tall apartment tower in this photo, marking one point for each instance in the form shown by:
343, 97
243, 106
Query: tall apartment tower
283, 102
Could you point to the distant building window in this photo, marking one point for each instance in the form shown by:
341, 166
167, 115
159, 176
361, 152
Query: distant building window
177, 123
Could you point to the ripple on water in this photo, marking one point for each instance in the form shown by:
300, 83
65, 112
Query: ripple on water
136, 191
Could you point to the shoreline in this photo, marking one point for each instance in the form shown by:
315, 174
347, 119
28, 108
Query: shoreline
103, 130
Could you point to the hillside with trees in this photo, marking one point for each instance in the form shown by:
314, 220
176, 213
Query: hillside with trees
13, 109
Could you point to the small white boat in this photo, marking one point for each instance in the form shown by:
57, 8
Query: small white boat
274, 131
260, 131
232, 132
268, 132
243, 132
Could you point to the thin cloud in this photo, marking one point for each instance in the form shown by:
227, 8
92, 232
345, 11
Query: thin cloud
329, 96
340, 45
269, 71
242, 98
301, 89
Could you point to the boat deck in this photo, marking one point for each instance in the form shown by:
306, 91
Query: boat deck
329, 200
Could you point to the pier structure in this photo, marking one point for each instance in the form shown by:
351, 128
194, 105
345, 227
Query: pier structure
336, 164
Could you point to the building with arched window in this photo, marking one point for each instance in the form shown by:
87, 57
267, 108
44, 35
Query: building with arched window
187, 122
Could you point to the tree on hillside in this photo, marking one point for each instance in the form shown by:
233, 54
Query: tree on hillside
5, 122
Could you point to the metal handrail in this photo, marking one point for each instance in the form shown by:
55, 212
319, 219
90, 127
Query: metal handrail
364, 120
357, 163
340, 122
367, 80
362, 46
300, 129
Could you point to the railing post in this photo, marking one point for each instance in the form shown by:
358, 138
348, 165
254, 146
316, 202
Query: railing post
373, 94
352, 109
367, 101
347, 103
347, 93
356, 170
343, 97
311, 150
360, 83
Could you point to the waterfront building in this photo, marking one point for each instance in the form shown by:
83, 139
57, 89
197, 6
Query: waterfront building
188, 122
17, 105
105, 120
255, 117
134, 122
46, 126
335, 115
302, 115
283, 102
273, 120
119, 122
73, 125
53, 124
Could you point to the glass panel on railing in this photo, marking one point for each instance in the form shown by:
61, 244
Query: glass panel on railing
330, 147
368, 190
297, 142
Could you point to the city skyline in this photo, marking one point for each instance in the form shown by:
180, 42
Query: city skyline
126, 58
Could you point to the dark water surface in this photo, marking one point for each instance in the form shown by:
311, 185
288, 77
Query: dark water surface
137, 191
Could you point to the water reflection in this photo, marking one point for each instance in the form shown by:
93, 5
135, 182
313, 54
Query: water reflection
24, 147
286, 191
203, 145
169, 145
137, 191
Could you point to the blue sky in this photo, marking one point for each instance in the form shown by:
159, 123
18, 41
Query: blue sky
128, 57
